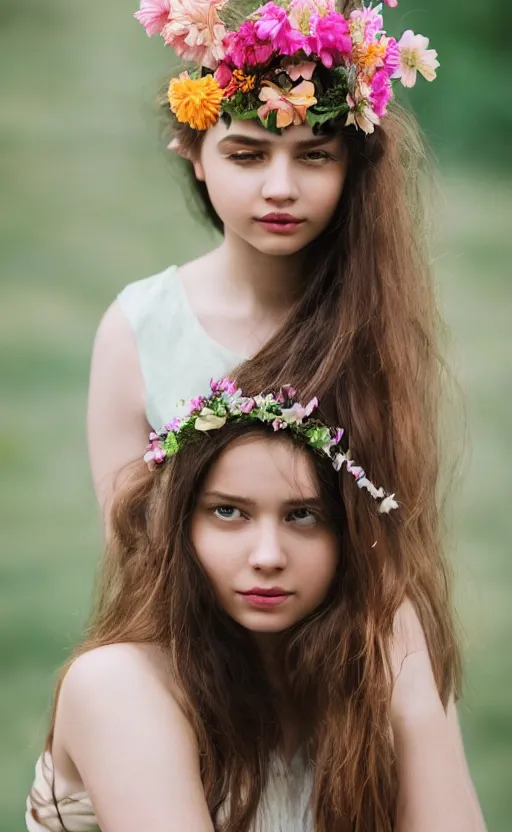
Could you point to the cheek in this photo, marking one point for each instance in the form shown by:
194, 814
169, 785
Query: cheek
325, 193
229, 191
317, 572
216, 554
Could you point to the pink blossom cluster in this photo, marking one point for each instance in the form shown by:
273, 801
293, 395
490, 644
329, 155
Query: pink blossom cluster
192, 28
305, 33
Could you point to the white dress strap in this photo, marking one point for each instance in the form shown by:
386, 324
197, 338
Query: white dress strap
177, 357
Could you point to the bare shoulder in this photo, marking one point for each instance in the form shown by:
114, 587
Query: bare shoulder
120, 726
117, 427
114, 334
116, 668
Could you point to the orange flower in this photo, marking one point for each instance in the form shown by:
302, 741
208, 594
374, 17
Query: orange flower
195, 101
369, 56
239, 82
291, 107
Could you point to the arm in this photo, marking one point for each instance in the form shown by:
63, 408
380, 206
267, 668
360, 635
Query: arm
117, 428
135, 751
435, 789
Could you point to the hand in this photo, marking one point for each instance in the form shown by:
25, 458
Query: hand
414, 691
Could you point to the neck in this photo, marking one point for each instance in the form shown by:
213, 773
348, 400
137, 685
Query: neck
257, 281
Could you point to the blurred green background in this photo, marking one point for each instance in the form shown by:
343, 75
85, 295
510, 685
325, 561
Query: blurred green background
90, 204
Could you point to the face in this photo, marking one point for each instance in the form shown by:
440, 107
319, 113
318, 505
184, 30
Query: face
276, 193
260, 532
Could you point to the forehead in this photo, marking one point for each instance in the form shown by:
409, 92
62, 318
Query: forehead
264, 469
253, 131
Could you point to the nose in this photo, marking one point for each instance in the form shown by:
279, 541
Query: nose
280, 184
267, 551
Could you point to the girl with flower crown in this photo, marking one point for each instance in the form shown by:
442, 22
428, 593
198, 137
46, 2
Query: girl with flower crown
242, 671
303, 162
322, 280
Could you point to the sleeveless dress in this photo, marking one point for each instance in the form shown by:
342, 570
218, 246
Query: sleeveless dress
177, 356
284, 807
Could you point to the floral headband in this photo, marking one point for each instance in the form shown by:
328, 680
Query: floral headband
228, 404
287, 63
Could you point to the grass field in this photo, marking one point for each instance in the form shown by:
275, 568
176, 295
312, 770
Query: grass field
91, 206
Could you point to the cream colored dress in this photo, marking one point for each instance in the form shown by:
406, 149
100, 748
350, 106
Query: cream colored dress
177, 356
284, 807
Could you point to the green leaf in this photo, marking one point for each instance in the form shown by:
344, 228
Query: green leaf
319, 115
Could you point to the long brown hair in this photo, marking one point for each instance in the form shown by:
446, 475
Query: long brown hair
153, 590
363, 337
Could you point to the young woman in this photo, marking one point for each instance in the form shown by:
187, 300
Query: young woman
250, 665
321, 279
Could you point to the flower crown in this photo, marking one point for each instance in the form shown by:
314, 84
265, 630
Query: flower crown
228, 404
289, 62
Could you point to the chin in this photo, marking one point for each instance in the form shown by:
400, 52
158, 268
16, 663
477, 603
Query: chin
280, 247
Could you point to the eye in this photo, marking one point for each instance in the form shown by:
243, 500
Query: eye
227, 513
245, 157
303, 517
318, 157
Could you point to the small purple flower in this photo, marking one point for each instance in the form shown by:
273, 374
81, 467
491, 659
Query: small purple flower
312, 405
247, 405
279, 424
195, 405
286, 392
338, 436
355, 470
155, 453
228, 386
173, 426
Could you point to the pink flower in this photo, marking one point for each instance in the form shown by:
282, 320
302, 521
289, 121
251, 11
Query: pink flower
331, 38
195, 31
361, 114
380, 92
223, 74
153, 14
286, 392
303, 69
392, 56
247, 405
301, 12
195, 404
243, 48
173, 425
224, 385
364, 24
278, 424
291, 107
272, 25
355, 470
415, 57
297, 412
155, 453
391, 3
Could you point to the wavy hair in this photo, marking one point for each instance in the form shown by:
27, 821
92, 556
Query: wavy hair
152, 589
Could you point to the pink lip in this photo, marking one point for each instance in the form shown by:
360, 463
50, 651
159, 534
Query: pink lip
258, 597
284, 218
261, 590
280, 223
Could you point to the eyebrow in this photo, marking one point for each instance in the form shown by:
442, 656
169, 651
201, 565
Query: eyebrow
305, 144
303, 502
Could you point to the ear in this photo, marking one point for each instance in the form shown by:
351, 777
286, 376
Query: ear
177, 148
198, 170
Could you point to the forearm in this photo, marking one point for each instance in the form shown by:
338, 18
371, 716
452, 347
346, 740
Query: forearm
434, 793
